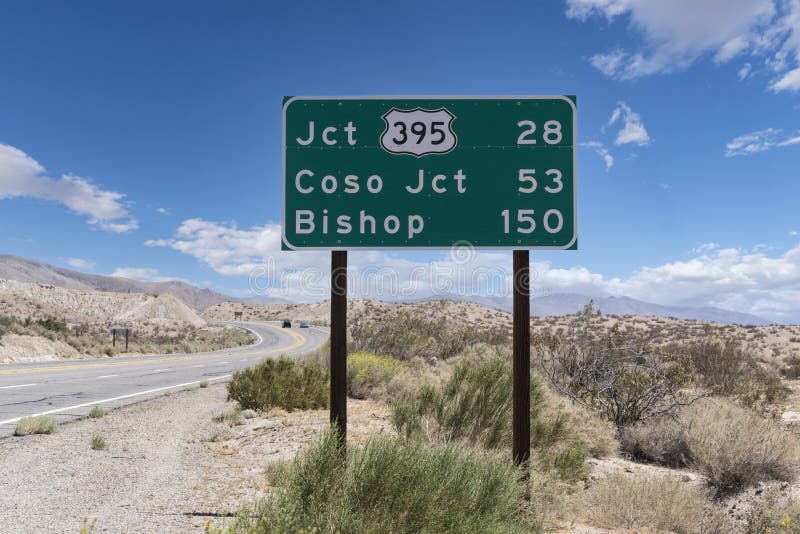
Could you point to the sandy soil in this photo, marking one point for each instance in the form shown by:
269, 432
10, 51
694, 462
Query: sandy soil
159, 473
20, 348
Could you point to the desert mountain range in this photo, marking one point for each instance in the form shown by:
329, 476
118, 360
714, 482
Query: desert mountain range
32, 271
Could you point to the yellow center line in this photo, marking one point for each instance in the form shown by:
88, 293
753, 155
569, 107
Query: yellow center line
298, 342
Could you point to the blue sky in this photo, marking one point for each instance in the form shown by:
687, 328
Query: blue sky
143, 138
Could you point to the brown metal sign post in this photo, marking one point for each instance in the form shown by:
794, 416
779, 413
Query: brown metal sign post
339, 342
521, 418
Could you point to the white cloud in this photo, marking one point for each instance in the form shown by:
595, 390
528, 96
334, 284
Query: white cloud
792, 233
143, 274
80, 263
676, 33
732, 279
746, 281
745, 71
790, 81
760, 141
633, 130
601, 151
162, 211
22, 176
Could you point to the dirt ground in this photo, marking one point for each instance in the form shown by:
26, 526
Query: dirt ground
159, 474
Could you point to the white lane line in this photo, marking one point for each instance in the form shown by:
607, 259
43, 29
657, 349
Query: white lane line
160, 370
112, 399
243, 360
17, 386
199, 365
107, 376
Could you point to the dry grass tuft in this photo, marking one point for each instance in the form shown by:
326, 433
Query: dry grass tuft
35, 425
735, 447
650, 504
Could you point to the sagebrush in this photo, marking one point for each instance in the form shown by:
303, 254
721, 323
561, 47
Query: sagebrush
390, 486
283, 383
475, 405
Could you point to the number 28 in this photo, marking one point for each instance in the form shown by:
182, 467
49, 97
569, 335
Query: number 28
551, 136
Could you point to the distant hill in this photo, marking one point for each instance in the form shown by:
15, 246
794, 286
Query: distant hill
569, 303
25, 270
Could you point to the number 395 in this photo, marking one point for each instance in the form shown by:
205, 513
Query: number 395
419, 130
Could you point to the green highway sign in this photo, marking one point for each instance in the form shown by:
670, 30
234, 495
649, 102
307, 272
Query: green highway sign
429, 172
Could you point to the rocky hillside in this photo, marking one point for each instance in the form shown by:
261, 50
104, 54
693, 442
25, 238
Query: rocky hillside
26, 270
78, 306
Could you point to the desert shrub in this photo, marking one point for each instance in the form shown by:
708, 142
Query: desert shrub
569, 463
475, 406
792, 369
203, 384
735, 447
728, 368
217, 432
366, 372
596, 435
97, 412
660, 440
416, 373
405, 335
35, 425
53, 325
773, 513
98, 443
617, 375
652, 504
390, 486
281, 382
230, 416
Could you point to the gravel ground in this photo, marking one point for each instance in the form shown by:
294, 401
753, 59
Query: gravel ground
159, 474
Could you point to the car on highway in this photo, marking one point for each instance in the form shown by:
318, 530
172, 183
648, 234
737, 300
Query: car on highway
303, 324
286, 324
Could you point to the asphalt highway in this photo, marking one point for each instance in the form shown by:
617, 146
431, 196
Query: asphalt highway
67, 390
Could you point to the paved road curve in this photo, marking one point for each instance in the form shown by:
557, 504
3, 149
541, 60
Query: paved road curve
67, 390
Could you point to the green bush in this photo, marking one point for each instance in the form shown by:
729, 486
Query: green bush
367, 371
97, 412
475, 406
35, 425
283, 383
390, 486
98, 443
53, 325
